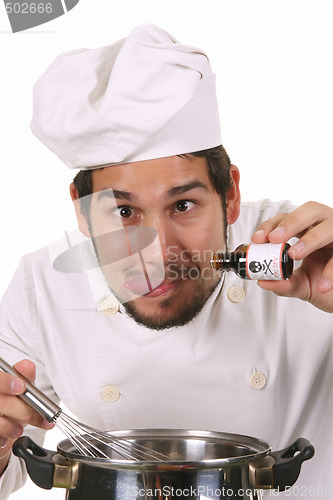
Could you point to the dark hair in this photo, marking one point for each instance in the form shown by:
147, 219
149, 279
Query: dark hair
83, 183
218, 163
218, 170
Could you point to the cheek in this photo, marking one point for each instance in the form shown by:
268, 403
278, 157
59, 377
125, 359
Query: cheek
101, 223
206, 240
211, 234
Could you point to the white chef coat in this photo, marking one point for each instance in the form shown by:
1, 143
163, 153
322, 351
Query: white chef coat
113, 373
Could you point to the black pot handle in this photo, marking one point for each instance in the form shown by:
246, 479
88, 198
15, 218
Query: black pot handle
38, 461
288, 463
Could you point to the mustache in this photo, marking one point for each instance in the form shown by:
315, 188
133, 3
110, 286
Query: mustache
169, 272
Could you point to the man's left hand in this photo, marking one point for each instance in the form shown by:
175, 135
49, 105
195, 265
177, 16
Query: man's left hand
312, 223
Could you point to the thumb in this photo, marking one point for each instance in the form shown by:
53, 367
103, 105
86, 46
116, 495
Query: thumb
294, 287
27, 369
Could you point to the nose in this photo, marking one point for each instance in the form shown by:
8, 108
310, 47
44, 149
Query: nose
167, 235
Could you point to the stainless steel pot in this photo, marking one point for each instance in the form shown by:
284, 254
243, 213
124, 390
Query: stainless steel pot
205, 464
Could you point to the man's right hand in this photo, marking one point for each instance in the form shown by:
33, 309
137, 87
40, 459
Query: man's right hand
14, 413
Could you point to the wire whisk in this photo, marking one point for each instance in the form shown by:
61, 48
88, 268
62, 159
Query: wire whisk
86, 440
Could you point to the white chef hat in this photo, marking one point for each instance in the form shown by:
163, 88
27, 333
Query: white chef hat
146, 96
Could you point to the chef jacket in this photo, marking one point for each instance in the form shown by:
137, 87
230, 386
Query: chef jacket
250, 363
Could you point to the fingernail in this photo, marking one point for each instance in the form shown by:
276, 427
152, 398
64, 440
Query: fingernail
47, 425
3, 442
298, 247
278, 231
324, 284
260, 232
17, 386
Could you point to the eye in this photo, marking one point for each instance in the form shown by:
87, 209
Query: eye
183, 206
125, 212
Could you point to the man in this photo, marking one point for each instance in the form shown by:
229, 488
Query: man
175, 344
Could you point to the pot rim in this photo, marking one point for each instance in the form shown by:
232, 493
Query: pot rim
258, 449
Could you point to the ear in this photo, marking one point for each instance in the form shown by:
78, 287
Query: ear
81, 219
233, 197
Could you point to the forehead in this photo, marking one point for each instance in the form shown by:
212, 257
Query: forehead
157, 176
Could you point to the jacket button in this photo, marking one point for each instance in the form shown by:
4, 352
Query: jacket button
235, 294
110, 305
111, 393
258, 380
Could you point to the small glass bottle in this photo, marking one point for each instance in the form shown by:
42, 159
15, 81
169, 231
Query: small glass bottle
267, 261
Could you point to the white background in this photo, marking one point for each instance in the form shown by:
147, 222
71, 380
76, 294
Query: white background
273, 61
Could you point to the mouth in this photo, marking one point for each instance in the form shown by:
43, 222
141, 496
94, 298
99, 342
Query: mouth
150, 288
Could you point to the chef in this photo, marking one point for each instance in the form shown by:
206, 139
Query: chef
125, 321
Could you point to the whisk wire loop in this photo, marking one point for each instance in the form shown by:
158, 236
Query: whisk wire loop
86, 440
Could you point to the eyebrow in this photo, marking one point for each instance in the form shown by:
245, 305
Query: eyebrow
116, 193
171, 193
178, 190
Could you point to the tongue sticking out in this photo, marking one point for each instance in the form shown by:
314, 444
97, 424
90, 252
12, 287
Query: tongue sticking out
142, 286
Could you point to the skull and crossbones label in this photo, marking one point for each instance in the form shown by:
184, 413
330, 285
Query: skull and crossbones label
263, 262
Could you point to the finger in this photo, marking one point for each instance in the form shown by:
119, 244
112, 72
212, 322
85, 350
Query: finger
326, 281
10, 429
317, 237
294, 287
27, 368
299, 220
263, 230
11, 405
15, 409
11, 385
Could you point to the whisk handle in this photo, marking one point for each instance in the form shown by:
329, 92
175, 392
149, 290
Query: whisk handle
33, 396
